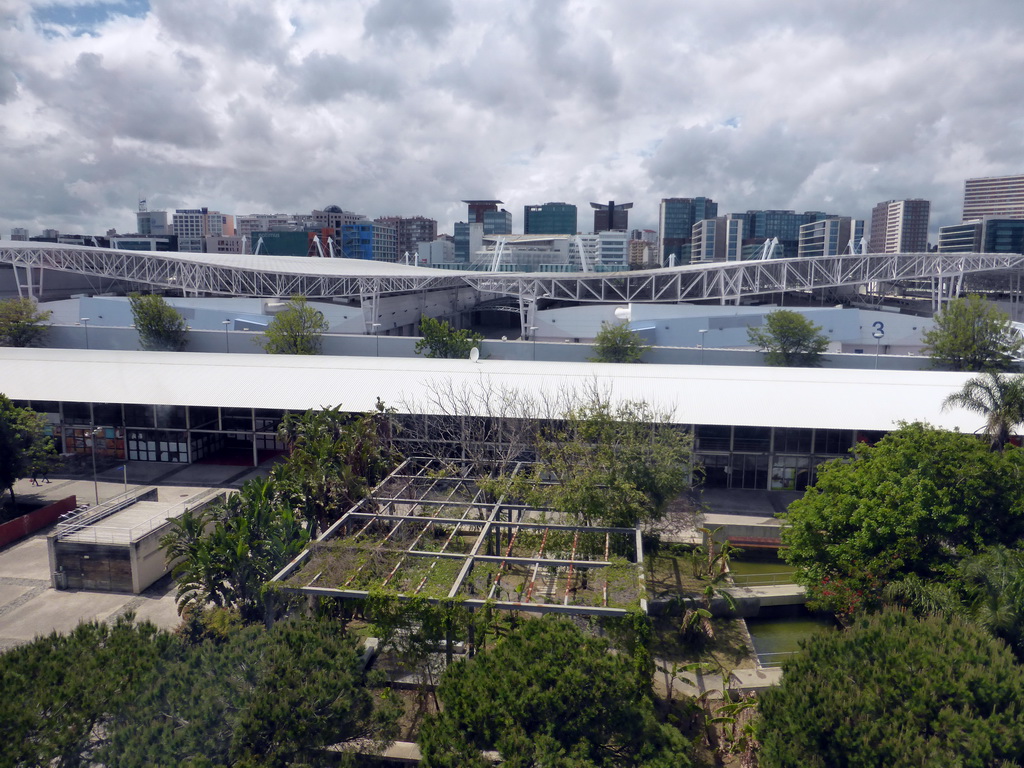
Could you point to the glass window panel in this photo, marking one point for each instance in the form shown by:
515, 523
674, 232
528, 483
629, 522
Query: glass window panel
236, 418
711, 437
170, 416
792, 440
107, 414
752, 439
77, 413
200, 417
138, 415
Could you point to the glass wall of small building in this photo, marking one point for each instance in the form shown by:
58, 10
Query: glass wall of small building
743, 457
168, 433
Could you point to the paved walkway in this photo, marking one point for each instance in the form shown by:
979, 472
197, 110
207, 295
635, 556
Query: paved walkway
30, 607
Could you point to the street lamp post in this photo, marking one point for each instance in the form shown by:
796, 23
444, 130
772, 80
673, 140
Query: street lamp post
533, 335
376, 337
95, 482
878, 334
85, 322
227, 341
702, 331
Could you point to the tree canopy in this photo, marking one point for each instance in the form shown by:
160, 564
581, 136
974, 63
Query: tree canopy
131, 695
25, 448
22, 323
616, 343
160, 326
999, 398
440, 339
915, 502
894, 690
789, 339
972, 334
296, 330
616, 465
549, 695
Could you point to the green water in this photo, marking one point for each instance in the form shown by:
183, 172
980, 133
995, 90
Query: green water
783, 635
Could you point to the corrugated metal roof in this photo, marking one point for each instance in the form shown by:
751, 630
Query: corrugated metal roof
781, 397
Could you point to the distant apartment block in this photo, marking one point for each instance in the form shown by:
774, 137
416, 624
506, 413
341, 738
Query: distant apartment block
997, 196
900, 226
19, 233
333, 217
550, 219
676, 218
193, 225
410, 232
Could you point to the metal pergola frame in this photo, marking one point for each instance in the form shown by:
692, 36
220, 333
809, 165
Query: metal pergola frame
421, 495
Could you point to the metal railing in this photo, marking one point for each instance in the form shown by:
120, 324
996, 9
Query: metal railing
769, 660
762, 579
109, 534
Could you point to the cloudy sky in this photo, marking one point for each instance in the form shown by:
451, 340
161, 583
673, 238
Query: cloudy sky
409, 106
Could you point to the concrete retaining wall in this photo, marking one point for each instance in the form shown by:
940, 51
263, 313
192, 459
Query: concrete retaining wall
26, 525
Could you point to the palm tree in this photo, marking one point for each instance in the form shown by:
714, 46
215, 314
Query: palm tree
996, 396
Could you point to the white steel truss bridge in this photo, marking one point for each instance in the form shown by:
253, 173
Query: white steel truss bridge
281, 276
730, 282
224, 274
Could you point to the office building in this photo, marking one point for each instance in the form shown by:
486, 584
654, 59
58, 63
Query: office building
477, 209
997, 196
830, 237
988, 235
550, 219
675, 225
193, 225
899, 226
763, 225
497, 222
333, 217
610, 216
357, 240
151, 223
19, 233
385, 242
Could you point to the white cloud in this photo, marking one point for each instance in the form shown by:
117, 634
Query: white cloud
409, 106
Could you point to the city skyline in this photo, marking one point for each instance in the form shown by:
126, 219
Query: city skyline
401, 107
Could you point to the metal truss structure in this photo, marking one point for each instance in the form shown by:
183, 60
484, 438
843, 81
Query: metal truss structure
728, 282
429, 532
224, 275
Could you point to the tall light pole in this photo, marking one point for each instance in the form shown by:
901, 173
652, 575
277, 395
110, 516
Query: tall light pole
95, 432
85, 322
533, 335
376, 336
227, 341
878, 334
702, 331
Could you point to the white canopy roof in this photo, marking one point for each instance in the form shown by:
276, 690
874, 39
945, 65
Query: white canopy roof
780, 397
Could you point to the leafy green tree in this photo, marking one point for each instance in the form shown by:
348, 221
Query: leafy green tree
131, 695
160, 326
972, 334
334, 459
894, 690
616, 343
296, 330
549, 695
22, 323
914, 503
228, 551
616, 465
999, 398
440, 339
789, 339
25, 447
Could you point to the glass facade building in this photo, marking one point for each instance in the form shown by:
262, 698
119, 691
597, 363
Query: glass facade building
677, 217
550, 219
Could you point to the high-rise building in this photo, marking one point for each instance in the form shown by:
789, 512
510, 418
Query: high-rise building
411, 231
469, 238
675, 225
333, 217
987, 235
899, 226
998, 196
762, 225
550, 219
497, 222
19, 233
151, 223
477, 209
385, 242
610, 216
830, 237
193, 225
357, 240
